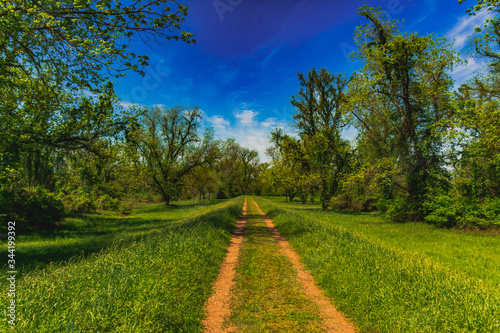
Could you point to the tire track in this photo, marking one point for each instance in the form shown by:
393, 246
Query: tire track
217, 308
334, 321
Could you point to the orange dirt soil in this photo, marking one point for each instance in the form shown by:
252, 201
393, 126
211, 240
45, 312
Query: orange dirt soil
217, 307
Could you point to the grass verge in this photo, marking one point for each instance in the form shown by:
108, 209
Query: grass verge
78, 237
472, 253
155, 282
267, 296
384, 289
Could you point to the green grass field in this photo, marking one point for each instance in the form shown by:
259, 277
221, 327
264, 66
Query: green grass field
267, 296
396, 277
80, 236
149, 272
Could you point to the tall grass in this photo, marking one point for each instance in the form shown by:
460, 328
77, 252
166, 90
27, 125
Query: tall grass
384, 289
267, 296
80, 236
156, 282
475, 254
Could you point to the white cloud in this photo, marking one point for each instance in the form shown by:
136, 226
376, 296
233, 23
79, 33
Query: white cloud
461, 33
349, 133
218, 122
128, 105
247, 129
464, 72
465, 27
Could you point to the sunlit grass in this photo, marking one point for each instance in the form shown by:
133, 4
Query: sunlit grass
267, 296
391, 277
476, 254
79, 236
153, 282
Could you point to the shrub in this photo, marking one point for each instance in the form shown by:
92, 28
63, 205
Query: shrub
448, 211
126, 209
106, 202
34, 208
79, 202
444, 211
400, 209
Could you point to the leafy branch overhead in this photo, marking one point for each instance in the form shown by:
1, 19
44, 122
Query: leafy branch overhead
80, 40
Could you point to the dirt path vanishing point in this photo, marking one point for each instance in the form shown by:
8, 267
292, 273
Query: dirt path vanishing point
217, 307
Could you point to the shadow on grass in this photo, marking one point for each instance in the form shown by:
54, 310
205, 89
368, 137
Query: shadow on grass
71, 241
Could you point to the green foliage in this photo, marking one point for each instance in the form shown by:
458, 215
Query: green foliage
57, 61
126, 208
402, 104
79, 202
107, 202
237, 169
452, 211
169, 147
320, 116
82, 41
31, 208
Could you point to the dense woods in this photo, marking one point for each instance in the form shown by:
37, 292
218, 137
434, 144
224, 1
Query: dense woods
425, 150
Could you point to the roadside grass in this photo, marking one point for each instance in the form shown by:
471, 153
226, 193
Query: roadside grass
381, 285
267, 296
77, 237
475, 254
157, 280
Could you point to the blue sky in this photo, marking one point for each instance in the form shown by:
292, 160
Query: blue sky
243, 69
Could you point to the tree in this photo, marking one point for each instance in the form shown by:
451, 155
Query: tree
406, 75
477, 134
290, 165
320, 117
75, 42
237, 169
171, 148
486, 39
56, 60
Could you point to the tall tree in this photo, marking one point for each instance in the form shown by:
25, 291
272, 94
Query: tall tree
478, 114
169, 144
237, 169
56, 60
320, 118
408, 77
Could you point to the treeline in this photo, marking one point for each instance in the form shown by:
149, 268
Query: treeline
424, 151
162, 158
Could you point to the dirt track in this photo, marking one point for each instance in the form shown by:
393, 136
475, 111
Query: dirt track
217, 307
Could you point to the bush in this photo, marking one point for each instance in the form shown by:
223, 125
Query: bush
400, 209
106, 202
79, 202
448, 211
445, 211
34, 208
126, 209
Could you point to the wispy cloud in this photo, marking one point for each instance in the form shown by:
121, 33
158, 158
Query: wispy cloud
464, 28
464, 72
247, 129
461, 33
128, 105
